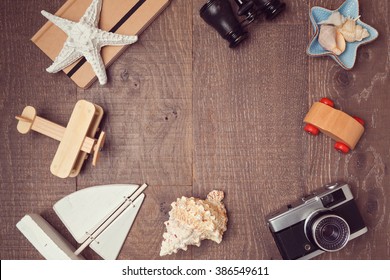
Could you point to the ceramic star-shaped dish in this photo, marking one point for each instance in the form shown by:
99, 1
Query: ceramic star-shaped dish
85, 39
350, 8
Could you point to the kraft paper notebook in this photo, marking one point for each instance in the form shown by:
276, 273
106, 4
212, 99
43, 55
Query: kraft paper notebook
127, 17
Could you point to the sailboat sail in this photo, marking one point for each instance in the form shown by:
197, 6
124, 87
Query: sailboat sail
82, 212
99, 217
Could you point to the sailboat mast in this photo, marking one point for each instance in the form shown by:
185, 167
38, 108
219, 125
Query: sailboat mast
129, 200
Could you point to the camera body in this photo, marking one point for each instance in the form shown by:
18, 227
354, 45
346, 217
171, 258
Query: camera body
317, 223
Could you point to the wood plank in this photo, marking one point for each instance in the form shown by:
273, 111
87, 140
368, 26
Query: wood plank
363, 92
148, 108
148, 105
27, 186
247, 137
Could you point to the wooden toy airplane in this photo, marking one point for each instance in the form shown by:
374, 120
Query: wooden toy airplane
346, 130
99, 217
76, 140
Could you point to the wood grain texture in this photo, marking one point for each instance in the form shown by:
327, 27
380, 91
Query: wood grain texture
187, 115
247, 107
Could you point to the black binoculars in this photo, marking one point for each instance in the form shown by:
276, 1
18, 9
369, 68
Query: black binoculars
219, 14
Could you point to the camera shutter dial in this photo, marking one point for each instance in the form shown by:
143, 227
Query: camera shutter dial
331, 186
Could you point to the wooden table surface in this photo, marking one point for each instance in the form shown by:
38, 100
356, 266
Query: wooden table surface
187, 115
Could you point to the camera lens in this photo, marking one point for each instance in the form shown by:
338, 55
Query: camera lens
330, 232
219, 14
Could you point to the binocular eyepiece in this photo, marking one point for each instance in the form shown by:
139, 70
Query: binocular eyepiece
219, 14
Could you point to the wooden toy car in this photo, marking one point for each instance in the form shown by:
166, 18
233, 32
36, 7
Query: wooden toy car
346, 130
76, 140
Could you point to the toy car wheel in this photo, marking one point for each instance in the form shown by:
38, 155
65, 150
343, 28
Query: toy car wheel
341, 147
359, 120
311, 129
327, 101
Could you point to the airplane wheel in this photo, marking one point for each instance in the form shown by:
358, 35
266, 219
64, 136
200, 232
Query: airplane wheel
327, 101
311, 129
359, 120
341, 147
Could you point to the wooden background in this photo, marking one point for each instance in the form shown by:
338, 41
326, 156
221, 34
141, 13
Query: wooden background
187, 115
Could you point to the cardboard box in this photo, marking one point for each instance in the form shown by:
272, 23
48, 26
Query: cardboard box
127, 17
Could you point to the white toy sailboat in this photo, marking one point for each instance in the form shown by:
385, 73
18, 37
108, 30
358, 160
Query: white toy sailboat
99, 217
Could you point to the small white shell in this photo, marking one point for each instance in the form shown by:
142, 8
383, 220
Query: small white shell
335, 19
192, 220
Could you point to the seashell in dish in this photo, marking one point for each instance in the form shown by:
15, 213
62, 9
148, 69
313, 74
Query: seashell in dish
353, 32
192, 220
331, 40
350, 10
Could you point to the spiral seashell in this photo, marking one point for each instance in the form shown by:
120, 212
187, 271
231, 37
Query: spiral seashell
192, 220
353, 32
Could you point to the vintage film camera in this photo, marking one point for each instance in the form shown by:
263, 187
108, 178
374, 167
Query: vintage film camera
318, 223
219, 14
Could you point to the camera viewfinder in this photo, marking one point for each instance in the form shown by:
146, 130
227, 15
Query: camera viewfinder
333, 198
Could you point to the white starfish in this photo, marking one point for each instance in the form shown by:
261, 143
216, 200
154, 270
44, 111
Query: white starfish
85, 39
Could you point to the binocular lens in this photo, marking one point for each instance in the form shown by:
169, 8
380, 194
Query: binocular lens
219, 14
272, 8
